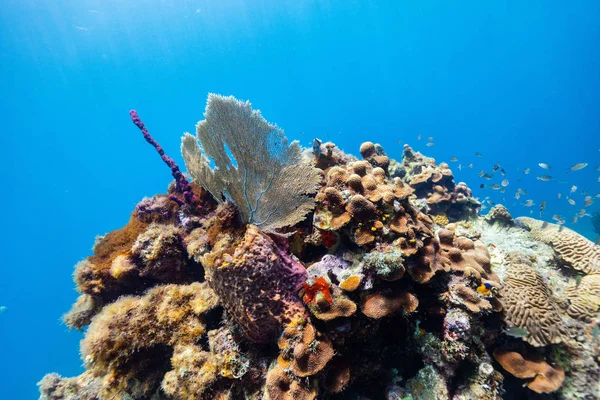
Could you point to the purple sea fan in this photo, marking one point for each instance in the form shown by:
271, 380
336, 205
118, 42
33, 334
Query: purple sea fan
258, 284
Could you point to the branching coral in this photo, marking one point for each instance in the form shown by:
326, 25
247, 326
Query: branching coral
255, 169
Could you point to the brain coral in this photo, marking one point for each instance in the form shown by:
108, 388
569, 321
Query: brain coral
529, 304
257, 283
577, 251
584, 298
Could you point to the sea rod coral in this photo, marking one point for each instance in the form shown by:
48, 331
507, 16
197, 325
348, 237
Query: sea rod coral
281, 273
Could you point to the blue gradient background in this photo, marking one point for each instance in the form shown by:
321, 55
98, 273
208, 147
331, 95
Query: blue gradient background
518, 82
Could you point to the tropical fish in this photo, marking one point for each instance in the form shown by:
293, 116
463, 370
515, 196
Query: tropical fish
503, 190
317, 147
3, 309
482, 186
527, 170
485, 289
544, 178
429, 144
504, 183
430, 138
488, 176
495, 167
577, 167
517, 195
478, 154
528, 203
544, 165
559, 195
460, 167
587, 201
574, 220
581, 212
542, 206
516, 332
471, 165
453, 159
419, 137
495, 186
573, 189
503, 172
571, 202
560, 220
481, 173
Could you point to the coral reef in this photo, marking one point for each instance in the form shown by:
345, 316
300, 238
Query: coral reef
281, 274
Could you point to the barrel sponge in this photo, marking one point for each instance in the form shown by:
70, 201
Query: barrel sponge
576, 250
258, 281
584, 298
530, 304
543, 377
384, 304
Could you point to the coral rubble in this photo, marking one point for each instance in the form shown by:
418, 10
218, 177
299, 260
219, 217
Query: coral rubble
317, 275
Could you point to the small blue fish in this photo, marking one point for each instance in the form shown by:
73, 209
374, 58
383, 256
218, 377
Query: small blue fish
3, 309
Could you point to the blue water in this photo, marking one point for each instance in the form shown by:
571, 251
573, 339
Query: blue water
518, 83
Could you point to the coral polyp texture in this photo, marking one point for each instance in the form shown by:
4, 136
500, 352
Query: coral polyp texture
282, 273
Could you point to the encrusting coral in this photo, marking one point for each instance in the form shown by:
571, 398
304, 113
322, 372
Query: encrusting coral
279, 274
543, 377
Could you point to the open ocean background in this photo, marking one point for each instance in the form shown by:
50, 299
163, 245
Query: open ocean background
517, 81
